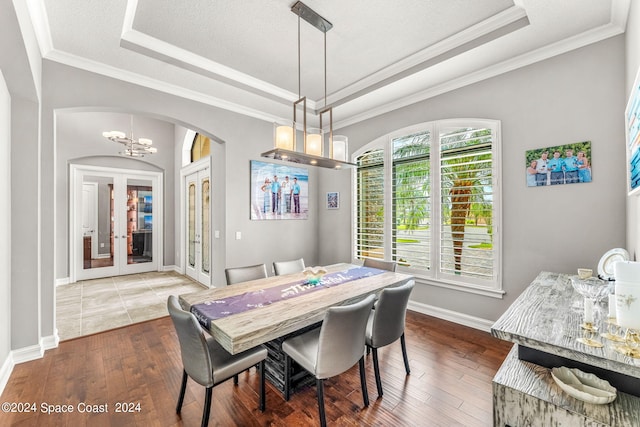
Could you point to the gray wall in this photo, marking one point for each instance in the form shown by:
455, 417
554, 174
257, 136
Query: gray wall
575, 97
5, 223
632, 37
79, 138
22, 81
244, 139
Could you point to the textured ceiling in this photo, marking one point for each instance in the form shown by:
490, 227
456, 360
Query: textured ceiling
380, 54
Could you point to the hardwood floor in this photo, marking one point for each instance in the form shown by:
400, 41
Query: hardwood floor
450, 383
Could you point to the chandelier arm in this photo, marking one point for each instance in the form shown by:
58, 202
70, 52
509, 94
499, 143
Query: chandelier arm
133, 147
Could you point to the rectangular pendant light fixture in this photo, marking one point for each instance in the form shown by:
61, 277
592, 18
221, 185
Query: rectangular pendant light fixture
313, 139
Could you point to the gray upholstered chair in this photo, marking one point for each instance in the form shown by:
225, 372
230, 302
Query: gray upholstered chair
244, 274
331, 349
378, 263
205, 361
288, 267
386, 324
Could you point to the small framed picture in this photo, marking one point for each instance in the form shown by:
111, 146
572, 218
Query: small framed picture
333, 200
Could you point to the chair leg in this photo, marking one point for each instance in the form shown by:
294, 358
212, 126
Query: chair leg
183, 388
368, 350
235, 379
404, 354
376, 370
262, 393
287, 377
320, 393
207, 407
363, 382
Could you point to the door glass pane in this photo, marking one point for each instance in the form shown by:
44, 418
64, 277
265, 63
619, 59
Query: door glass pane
97, 222
139, 210
192, 223
204, 235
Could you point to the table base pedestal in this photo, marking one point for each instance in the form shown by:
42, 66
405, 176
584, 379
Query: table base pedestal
274, 364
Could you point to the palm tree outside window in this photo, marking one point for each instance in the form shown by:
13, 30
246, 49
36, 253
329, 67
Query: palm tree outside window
427, 197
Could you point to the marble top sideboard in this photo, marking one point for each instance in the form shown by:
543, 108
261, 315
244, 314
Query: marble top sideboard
544, 323
546, 318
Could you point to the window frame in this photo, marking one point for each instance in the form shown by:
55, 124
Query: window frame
433, 276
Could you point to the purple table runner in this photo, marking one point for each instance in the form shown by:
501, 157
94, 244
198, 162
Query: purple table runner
211, 310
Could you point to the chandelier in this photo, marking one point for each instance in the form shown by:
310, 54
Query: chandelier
285, 143
132, 147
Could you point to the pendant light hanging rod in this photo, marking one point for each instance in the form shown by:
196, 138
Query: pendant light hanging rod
326, 110
301, 99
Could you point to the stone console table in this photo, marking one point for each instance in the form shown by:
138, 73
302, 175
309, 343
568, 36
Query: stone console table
544, 323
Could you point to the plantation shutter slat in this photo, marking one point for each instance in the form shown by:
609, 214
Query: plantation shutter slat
466, 169
411, 244
370, 205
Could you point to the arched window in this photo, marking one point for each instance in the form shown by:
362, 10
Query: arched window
428, 198
201, 147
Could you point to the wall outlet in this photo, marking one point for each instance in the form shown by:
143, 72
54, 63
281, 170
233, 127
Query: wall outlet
216, 234
238, 235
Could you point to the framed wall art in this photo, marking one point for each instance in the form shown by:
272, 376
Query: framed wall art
559, 164
333, 200
278, 191
632, 120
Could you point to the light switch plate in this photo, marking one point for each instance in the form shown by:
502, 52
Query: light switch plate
238, 235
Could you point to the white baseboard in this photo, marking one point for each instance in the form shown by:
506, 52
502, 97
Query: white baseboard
65, 280
27, 354
451, 316
62, 281
175, 268
5, 372
47, 343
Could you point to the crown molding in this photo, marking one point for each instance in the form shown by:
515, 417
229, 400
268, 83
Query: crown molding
151, 83
490, 29
40, 22
620, 13
166, 52
37, 11
496, 26
575, 42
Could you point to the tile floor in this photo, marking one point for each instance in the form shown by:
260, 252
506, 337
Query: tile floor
91, 306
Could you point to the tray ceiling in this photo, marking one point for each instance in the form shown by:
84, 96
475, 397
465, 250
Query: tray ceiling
242, 55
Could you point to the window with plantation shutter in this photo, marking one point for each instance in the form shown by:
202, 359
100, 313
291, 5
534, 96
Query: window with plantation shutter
411, 223
428, 198
370, 205
466, 194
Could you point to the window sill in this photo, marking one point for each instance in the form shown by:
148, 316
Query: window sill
462, 287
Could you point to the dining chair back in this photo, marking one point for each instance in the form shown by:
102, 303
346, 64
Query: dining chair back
244, 274
204, 359
386, 324
288, 267
331, 349
380, 264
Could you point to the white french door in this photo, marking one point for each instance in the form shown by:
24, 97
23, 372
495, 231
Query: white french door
197, 221
115, 222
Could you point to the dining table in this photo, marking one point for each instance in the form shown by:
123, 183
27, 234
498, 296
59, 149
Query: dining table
268, 310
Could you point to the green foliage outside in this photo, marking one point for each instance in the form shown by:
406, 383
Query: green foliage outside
466, 181
584, 146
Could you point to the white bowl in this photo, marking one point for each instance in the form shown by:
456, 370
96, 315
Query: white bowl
584, 386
